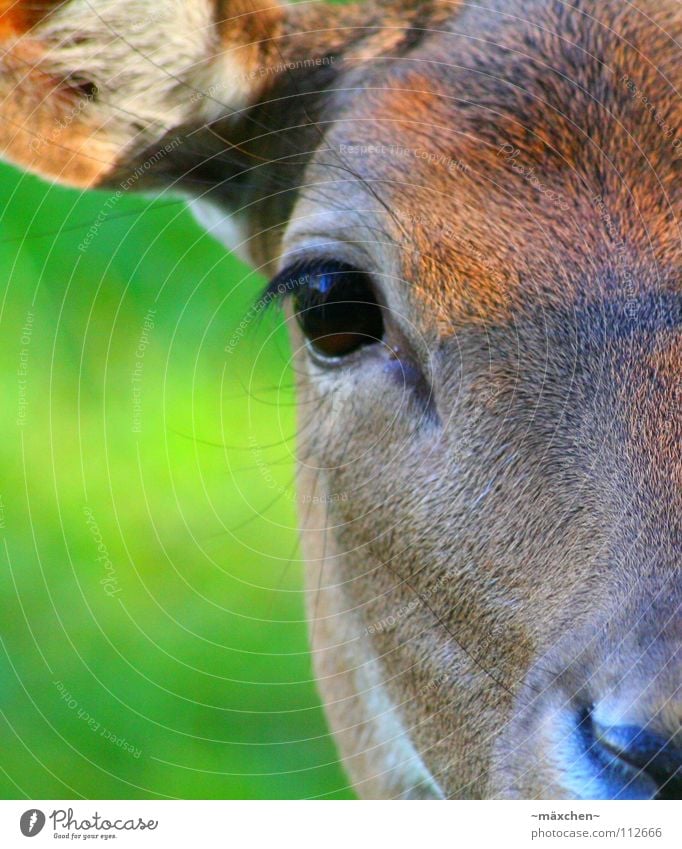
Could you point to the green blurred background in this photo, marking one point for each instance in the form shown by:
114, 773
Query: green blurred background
153, 627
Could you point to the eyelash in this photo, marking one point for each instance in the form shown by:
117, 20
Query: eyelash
288, 281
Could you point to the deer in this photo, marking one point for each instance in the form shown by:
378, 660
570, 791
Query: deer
470, 216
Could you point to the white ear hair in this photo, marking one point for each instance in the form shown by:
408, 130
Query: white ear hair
155, 65
223, 226
94, 82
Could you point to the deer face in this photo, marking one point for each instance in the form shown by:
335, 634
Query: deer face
471, 215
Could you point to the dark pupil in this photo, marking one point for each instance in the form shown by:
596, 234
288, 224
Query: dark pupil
337, 311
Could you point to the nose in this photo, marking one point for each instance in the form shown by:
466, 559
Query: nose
642, 760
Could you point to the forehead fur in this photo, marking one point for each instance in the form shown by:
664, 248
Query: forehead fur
531, 149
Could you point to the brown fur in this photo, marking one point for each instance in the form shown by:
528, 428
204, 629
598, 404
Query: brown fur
509, 549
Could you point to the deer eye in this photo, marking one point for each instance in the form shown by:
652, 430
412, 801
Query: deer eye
335, 307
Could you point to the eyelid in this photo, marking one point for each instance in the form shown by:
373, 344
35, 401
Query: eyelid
295, 276
283, 284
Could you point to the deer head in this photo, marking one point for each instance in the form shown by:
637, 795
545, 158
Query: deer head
471, 213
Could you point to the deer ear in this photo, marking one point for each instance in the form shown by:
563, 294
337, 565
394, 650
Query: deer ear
88, 84
220, 99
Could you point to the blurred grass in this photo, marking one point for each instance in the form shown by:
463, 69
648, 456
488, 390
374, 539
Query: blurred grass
190, 677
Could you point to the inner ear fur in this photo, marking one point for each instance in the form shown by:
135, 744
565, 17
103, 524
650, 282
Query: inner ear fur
86, 83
